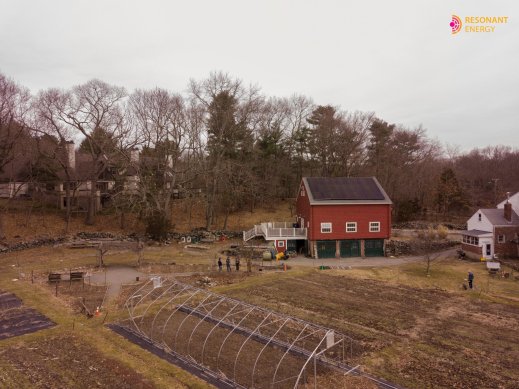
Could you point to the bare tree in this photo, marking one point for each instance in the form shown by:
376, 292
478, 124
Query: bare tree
167, 131
14, 105
48, 108
231, 116
427, 245
88, 110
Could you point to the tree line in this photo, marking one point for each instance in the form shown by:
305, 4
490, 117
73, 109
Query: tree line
243, 149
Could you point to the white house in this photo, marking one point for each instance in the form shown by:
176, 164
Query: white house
493, 232
514, 200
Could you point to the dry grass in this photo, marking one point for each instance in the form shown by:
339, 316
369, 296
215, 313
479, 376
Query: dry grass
237, 221
416, 331
186, 214
102, 343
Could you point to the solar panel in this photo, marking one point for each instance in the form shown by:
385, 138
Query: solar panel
344, 188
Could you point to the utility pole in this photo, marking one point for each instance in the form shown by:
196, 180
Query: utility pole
495, 180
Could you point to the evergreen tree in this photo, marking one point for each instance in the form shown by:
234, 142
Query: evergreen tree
449, 195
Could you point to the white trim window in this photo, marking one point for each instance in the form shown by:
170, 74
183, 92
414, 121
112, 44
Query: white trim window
326, 228
374, 226
472, 240
281, 243
351, 226
501, 239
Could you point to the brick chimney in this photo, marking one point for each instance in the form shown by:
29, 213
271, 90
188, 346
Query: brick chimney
508, 211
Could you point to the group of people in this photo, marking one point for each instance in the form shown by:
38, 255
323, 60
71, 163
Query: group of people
228, 263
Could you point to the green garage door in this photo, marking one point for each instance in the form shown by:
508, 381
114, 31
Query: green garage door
350, 248
374, 247
326, 249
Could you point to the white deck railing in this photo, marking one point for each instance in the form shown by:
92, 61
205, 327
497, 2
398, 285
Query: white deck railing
275, 230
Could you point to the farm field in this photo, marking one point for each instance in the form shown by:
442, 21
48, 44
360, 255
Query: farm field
413, 330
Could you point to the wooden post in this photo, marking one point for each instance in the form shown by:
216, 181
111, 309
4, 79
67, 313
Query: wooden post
56, 288
32, 276
315, 371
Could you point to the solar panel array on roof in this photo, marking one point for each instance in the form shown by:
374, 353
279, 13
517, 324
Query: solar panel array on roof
344, 188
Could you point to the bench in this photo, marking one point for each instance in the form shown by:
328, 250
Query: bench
54, 277
76, 275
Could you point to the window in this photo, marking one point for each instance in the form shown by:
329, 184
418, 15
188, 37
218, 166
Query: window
326, 228
501, 239
281, 243
374, 226
302, 193
479, 217
351, 226
471, 240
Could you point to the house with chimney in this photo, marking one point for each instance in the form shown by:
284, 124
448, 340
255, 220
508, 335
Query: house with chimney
493, 232
77, 170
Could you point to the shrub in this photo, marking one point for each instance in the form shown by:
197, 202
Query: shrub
157, 226
442, 231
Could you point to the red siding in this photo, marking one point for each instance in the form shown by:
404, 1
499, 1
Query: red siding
338, 215
303, 208
283, 248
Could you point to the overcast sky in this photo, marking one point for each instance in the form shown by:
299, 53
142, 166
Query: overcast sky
396, 58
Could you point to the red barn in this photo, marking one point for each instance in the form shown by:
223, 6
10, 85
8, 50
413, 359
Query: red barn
343, 216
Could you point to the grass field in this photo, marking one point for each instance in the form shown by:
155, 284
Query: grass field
414, 330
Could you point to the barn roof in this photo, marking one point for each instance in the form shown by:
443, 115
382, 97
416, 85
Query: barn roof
345, 190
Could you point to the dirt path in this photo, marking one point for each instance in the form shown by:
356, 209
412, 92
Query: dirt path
361, 262
115, 277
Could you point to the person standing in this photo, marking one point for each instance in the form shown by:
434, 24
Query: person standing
228, 263
237, 263
471, 279
220, 264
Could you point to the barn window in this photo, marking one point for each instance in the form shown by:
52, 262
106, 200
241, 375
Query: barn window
501, 239
374, 226
351, 226
302, 192
281, 243
326, 228
479, 217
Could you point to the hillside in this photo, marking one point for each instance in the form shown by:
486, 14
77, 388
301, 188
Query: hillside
23, 224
